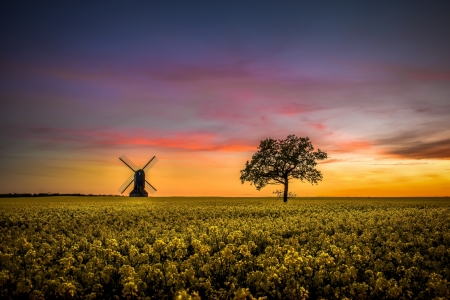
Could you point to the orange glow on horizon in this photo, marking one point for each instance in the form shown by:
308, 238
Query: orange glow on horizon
212, 173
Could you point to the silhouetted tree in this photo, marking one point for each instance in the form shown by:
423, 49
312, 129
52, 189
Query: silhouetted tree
278, 161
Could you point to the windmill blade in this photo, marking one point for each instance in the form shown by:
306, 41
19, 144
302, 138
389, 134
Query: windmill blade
150, 164
150, 187
126, 184
129, 163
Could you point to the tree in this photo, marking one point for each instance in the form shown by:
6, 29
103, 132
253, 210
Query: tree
278, 161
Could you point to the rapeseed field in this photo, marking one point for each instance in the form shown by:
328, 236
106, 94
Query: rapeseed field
224, 248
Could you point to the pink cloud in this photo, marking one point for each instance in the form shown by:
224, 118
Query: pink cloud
349, 146
408, 72
428, 75
185, 141
319, 126
290, 109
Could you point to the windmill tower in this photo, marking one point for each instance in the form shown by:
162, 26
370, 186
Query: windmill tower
138, 177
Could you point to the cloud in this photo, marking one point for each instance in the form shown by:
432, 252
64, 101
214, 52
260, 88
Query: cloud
427, 75
439, 149
427, 142
184, 73
333, 160
408, 72
184, 141
346, 145
231, 105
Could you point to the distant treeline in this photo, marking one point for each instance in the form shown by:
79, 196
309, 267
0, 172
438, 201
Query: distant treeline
17, 195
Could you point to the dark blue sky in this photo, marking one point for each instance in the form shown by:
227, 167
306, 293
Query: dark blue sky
190, 30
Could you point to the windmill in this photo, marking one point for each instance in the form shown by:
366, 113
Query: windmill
138, 177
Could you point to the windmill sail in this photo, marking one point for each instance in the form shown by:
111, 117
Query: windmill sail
126, 184
150, 187
129, 163
150, 164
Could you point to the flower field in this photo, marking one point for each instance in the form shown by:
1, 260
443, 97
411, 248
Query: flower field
224, 248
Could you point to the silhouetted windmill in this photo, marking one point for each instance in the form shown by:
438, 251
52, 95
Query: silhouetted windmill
138, 177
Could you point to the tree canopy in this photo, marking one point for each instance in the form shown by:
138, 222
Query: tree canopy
278, 161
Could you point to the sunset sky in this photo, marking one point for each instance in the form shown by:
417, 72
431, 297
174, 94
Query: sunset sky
200, 84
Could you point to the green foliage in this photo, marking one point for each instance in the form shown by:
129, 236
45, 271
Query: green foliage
278, 161
224, 248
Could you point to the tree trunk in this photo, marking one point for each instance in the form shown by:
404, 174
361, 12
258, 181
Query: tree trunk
286, 189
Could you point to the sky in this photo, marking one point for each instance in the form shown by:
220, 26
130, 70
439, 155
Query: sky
200, 84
